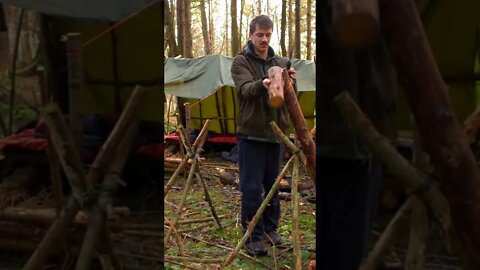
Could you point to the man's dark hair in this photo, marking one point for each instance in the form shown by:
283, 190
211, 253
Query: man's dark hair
261, 21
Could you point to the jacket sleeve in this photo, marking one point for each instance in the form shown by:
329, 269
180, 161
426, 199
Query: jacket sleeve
247, 86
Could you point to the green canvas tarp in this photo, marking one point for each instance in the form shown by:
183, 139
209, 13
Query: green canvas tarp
207, 84
115, 58
111, 10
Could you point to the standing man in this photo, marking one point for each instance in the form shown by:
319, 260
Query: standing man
258, 148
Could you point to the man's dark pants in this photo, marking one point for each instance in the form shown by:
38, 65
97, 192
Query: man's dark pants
346, 198
259, 165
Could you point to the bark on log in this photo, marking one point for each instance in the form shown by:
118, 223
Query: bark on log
301, 130
439, 128
355, 22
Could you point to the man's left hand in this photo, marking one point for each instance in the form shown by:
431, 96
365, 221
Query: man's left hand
292, 72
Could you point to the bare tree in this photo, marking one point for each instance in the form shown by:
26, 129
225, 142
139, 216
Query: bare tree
205, 33
173, 49
283, 27
234, 35
188, 46
211, 27
290, 27
180, 27
309, 29
297, 30
242, 5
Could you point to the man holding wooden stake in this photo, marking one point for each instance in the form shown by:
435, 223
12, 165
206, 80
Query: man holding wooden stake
259, 150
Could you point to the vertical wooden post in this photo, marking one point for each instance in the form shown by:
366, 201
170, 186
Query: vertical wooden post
75, 85
53, 161
188, 116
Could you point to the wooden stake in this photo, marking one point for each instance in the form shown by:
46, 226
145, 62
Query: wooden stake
295, 228
182, 201
300, 125
388, 236
199, 141
379, 146
53, 161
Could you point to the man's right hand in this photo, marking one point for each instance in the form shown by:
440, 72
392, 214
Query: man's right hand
266, 83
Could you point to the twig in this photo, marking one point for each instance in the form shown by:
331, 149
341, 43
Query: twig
192, 259
185, 266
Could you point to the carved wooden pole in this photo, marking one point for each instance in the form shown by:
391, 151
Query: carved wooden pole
355, 22
298, 120
439, 129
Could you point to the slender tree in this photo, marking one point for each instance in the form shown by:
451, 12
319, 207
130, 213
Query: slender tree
180, 27
283, 27
297, 30
259, 7
188, 47
234, 35
205, 33
173, 49
309, 29
211, 26
290, 27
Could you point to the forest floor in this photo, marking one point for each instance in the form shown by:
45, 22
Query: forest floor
207, 241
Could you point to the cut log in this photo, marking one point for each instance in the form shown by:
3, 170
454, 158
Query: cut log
275, 89
355, 22
437, 123
300, 125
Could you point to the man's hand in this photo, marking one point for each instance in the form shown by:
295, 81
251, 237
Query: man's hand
292, 72
266, 83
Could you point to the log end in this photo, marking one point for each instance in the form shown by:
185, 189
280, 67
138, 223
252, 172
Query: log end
356, 30
276, 101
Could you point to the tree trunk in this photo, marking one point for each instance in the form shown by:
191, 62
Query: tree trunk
290, 28
309, 29
439, 129
211, 27
206, 36
259, 7
180, 30
283, 26
242, 6
226, 29
187, 28
297, 30
234, 34
170, 32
